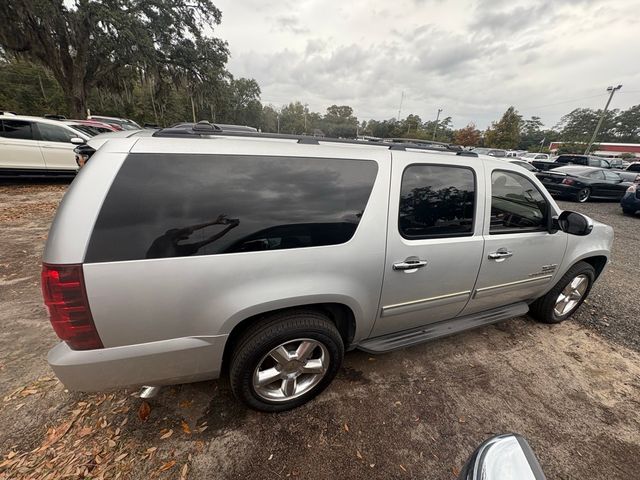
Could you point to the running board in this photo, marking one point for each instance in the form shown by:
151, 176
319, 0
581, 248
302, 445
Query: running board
407, 338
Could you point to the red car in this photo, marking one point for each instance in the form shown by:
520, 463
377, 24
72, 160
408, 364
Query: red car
92, 127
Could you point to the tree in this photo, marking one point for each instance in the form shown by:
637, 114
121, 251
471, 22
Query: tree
468, 136
579, 125
628, 125
340, 122
506, 132
90, 43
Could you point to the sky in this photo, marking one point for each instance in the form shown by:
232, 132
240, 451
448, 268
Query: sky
472, 59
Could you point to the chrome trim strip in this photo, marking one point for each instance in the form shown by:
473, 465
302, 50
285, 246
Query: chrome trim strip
450, 296
510, 284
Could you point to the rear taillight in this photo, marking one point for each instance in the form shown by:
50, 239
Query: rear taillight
65, 296
568, 181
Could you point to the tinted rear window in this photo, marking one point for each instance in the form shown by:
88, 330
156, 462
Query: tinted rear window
577, 159
436, 201
163, 205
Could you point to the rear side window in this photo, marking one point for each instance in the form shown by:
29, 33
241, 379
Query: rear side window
163, 205
17, 129
436, 201
516, 204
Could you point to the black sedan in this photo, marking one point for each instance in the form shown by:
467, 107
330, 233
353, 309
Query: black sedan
582, 183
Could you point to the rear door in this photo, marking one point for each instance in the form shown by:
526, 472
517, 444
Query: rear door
434, 239
520, 255
57, 149
18, 147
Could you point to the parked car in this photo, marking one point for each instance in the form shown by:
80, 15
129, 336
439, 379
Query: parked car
175, 254
515, 153
123, 123
92, 127
584, 183
492, 152
585, 160
633, 167
630, 202
530, 156
36, 146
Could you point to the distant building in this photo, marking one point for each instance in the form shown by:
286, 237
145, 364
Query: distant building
610, 150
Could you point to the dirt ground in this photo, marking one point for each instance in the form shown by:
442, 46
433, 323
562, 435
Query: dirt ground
573, 390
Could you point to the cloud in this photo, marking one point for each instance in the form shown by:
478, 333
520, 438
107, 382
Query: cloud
291, 23
471, 58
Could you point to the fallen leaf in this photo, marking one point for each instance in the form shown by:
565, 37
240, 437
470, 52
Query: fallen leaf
358, 454
184, 471
455, 471
167, 466
346, 427
402, 468
121, 456
462, 420
144, 411
151, 449
270, 457
11, 454
185, 427
167, 435
84, 431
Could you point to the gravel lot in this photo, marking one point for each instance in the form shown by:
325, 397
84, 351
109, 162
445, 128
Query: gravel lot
573, 390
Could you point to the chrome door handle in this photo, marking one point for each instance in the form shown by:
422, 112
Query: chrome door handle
409, 264
500, 254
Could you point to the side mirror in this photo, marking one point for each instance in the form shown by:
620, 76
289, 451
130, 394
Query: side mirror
505, 457
77, 141
574, 223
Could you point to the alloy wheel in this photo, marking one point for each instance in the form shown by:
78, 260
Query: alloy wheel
583, 195
570, 297
290, 370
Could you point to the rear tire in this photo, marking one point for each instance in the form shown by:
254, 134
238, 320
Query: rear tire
285, 360
583, 195
628, 211
563, 300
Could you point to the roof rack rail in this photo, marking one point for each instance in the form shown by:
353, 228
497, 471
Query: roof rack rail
465, 153
204, 129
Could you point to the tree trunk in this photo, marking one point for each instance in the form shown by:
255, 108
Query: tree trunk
76, 99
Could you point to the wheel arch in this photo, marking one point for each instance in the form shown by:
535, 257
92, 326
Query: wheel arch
340, 314
598, 262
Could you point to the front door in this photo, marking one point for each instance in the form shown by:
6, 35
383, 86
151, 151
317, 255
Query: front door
434, 240
18, 147
520, 256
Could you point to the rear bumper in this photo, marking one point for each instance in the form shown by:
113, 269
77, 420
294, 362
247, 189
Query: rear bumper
561, 189
166, 362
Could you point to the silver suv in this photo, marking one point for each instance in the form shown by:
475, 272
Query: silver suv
176, 257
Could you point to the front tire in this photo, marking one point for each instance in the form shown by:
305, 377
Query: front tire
583, 195
566, 296
285, 360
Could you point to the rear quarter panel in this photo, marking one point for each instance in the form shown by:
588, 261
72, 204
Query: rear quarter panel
157, 299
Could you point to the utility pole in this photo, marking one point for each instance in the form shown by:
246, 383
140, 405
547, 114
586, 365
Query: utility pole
612, 90
435, 128
400, 107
